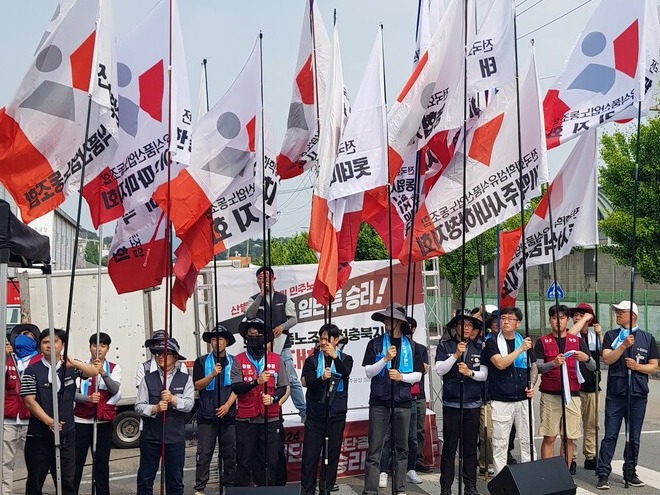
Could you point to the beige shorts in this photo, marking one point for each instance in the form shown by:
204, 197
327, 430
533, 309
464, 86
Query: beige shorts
551, 417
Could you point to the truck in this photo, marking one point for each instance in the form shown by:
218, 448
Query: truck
129, 319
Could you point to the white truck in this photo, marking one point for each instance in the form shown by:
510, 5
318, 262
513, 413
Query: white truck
128, 318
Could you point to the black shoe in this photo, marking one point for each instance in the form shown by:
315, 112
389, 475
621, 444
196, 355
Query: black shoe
471, 490
573, 468
335, 488
632, 479
603, 483
590, 464
511, 460
421, 468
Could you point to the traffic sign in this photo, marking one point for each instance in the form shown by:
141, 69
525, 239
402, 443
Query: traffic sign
555, 290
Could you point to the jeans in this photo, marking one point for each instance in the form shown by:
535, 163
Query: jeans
379, 422
207, 435
470, 432
616, 410
386, 457
297, 394
175, 456
13, 443
84, 437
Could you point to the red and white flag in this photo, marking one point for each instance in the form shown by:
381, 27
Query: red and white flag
151, 125
613, 66
300, 147
429, 17
42, 130
225, 145
572, 201
493, 174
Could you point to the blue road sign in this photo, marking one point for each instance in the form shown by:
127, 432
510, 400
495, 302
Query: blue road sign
555, 289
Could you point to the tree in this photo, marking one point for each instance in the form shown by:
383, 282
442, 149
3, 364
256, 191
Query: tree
370, 246
292, 251
617, 182
92, 254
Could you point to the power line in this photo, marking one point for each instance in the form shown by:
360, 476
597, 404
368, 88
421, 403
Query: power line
528, 8
554, 20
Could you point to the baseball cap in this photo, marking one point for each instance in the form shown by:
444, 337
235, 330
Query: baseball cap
625, 306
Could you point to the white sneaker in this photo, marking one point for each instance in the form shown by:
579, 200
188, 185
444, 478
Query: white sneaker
199, 493
413, 477
382, 480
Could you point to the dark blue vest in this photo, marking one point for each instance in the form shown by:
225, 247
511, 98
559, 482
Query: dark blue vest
45, 400
278, 313
175, 423
208, 399
617, 375
451, 381
381, 386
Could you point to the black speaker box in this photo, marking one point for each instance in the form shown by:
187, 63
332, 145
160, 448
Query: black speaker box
292, 489
544, 477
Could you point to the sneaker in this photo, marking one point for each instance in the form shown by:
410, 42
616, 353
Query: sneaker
413, 477
421, 468
471, 490
382, 480
573, 468
199, 493
335, 488
446, 492
632, 479
603, 483
590, 464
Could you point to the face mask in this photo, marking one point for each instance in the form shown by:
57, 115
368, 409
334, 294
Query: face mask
25, 346
255, 345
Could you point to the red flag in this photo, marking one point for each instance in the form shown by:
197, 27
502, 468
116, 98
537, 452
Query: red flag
509, 242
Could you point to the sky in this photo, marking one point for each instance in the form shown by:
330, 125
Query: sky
224, 31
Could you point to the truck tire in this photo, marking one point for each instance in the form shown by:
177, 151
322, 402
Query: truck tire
126, 430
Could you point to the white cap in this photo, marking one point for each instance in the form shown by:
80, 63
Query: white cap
625, 306
490, 308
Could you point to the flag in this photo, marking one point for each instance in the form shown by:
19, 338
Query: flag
493, 173
227, 170
491, 61
43, 129
508, 243
152, 125
613, 66
572, 200
224, 150
300, 147
203, 104
428, 19
360, 165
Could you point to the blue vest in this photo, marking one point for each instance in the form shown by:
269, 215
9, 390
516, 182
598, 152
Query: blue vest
278, 312
617, 375
451, 381
208, 399
45, 400
507, 385
175, 422
381, 386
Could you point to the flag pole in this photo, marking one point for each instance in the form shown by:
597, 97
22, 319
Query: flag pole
530, 409
96, 381
633, 268
598, 346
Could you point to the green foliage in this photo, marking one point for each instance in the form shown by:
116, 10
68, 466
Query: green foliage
617, 182
92, 254
292, 251
370, 246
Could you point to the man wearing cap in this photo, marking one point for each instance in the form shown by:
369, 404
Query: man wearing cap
557, 358
217, 410
627, 350
270, 302
325, 374
586, 327
393, 366
174, 401
458, 360
509, 356
151, 365
20, 350
257, 404
37, 392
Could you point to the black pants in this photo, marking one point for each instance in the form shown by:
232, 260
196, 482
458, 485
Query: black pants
312, 447
470, 432
40, 458
84, 438
250, 452
207, 434
279, 475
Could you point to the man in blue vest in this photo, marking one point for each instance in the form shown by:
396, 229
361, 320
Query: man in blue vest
325, 374
626, 350
258, 406
37, 392
458, 360
216, 416
153, 400
393, 366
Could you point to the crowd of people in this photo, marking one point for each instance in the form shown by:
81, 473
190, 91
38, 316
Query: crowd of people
489, 369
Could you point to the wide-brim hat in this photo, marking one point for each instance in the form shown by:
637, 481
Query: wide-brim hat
463, 314
18, 329
583, 308
395, 311
219, 331
257, 323
156, 337
172, 347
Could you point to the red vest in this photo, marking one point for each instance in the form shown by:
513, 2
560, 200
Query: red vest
14, 405
105, 412
251, 405
551, 381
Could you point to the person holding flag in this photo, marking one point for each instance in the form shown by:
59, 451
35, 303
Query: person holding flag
632, 355
216, 416
557, 358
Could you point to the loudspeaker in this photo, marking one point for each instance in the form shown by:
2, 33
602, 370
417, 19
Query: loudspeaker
292, 489
544, 477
